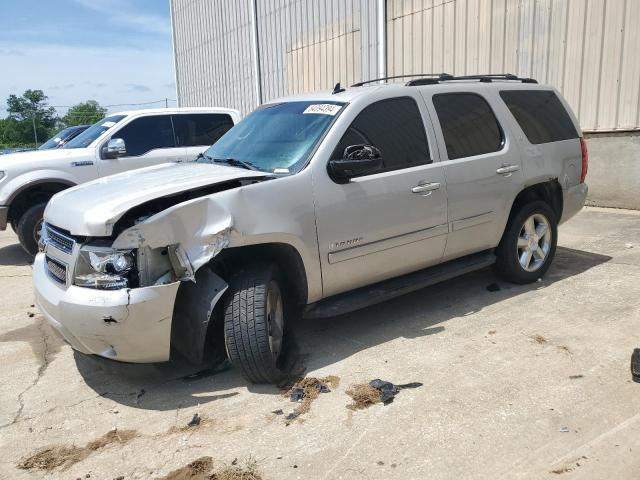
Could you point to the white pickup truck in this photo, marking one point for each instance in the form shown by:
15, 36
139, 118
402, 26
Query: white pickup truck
122, 141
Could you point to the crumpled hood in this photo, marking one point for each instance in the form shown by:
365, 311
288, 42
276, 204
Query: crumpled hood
24, 160
92, 208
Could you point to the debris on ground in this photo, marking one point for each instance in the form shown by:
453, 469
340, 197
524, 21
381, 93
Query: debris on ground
278, 412
538, 339
575, 377
492, 332
376, 391
196, 422
569, 467
564, 430
566, 349
65, 456
202, 469
493, 287
635, 365
199, 469
306, 390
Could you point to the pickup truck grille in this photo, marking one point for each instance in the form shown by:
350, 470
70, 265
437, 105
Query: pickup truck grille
57, 270
58, 239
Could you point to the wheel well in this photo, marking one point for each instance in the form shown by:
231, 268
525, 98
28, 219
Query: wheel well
549, 192
284, 255
32, 195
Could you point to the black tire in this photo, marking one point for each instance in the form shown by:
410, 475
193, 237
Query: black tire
26, 228
248, 325
508, 263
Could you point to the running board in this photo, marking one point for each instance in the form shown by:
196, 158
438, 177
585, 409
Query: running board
382, 291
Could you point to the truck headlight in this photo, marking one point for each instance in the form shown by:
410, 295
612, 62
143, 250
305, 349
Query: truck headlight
104, 268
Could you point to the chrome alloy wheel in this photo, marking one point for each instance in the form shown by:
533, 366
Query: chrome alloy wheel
534, 242
275, 318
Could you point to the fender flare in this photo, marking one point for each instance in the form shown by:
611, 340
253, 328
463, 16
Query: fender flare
32, 183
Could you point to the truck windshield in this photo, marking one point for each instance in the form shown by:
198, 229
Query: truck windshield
275, 138
87, 137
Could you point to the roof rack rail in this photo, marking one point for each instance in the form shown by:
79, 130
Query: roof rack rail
434, 78
422, 75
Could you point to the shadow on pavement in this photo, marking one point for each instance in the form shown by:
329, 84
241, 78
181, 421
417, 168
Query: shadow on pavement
14, 255
326, 341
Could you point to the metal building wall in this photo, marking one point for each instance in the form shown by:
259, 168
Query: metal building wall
588, 49
213, 53
309, 45
304, 45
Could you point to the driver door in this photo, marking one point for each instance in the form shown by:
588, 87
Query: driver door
388, 222
149, 140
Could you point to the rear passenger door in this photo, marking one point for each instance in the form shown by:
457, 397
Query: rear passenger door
482, 166
198, 131
149, 140
385, 223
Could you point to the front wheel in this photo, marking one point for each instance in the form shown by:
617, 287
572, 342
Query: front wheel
29, 228
529, 243
254, 322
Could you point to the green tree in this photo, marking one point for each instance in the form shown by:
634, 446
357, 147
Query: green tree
88, 112
29, 117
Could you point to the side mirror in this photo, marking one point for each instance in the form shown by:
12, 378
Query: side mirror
357, 160
115, 148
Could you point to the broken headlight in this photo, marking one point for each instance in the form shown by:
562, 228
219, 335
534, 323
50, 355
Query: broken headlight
105, 268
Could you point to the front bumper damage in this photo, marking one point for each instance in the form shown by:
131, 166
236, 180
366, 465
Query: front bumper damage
128, 325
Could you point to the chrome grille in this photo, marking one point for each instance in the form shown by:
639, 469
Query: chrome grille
57, 270
58, 239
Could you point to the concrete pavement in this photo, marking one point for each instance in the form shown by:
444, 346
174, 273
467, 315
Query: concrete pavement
524, 382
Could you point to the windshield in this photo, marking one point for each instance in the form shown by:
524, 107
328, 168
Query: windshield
87, 137
275, 138
56, 139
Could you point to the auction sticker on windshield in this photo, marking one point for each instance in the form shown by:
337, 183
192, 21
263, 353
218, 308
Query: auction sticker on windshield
323, 108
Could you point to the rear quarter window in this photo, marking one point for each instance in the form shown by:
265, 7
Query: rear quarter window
540, 114
468, 124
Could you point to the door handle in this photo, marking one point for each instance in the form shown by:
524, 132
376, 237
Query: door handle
507, 170
425, 189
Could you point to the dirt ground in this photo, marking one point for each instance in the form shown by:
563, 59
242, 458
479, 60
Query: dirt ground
518, 382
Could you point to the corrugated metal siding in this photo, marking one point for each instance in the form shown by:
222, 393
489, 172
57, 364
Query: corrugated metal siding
588, 49
213, 53
308, 45
304, 45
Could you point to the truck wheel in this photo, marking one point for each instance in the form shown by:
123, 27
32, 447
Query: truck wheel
28, 228
529, 243
254, 320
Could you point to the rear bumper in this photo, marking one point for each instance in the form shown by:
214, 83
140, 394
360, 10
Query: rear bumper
573, 200
128, 325
4, 214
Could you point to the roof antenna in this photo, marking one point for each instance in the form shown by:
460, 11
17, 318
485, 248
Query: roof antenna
338, 89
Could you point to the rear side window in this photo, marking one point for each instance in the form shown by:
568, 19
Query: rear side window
147, 133
202, 129
395, 127
468, 124
540, 114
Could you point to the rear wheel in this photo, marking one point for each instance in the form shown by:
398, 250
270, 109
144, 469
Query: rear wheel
29, 226
529, 243
254, 322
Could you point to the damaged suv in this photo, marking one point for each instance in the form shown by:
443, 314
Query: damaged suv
313, 205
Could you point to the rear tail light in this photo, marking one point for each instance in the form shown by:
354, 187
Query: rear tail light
585, 159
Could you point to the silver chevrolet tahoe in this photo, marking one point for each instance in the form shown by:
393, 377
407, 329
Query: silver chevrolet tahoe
313, 205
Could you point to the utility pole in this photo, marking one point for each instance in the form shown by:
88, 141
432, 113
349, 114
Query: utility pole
166, 103
35, 133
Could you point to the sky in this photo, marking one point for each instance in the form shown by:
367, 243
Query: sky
112, 51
